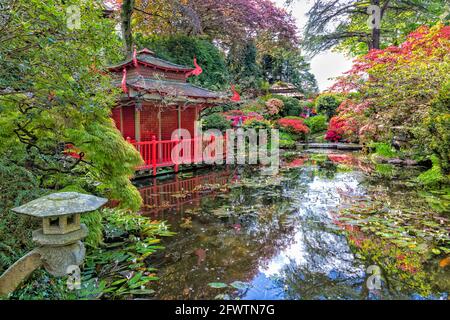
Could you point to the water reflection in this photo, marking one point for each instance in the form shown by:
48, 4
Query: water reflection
277, 236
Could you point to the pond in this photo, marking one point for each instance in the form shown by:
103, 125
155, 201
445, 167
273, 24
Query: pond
296, 235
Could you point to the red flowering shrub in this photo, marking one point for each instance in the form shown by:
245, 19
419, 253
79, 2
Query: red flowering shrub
293, 125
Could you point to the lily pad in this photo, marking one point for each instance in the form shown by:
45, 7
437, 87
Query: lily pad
239, 285
217, 285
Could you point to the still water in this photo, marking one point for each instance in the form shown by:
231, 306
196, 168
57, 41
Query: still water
244, 235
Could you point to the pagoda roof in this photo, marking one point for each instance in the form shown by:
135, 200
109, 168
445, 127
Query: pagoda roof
148, 58
170, 88
285, 89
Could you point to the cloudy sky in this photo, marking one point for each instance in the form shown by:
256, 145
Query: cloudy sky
325, 65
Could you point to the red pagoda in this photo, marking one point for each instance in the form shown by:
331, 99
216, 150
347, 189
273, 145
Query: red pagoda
157, 100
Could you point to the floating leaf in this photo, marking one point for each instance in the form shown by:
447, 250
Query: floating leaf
239, 285
436, 251
217, 285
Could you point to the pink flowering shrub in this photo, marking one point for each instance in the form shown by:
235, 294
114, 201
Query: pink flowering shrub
274, 106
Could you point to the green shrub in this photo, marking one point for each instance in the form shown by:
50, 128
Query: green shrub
433, 176
383, 149
254, 106
257, 124
317, 123
438, 124
327, 104
292, 106
17, 186
287, 141
93, 221
274, 108
295, 118
216, 121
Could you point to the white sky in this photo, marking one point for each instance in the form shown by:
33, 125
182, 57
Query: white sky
327, 64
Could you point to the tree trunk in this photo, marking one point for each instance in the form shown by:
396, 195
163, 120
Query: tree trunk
376, 32
127, 12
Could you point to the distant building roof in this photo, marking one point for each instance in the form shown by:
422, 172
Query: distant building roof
285, 89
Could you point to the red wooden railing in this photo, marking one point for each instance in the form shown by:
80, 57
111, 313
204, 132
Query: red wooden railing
158, 153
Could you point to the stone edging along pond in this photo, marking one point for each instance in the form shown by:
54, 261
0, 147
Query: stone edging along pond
338, 146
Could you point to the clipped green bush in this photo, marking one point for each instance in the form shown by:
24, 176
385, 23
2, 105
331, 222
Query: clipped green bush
287, 141
317, 123
216, 121
433, 176
327, 104
257, 124
292, 106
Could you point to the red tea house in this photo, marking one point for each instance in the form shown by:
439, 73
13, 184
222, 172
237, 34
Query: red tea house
157, 100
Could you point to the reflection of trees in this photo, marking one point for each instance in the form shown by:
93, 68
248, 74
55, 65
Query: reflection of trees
327, 269
327, 169
243, 232
258, 207
301, 282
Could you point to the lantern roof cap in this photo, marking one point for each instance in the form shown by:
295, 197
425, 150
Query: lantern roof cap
61, 204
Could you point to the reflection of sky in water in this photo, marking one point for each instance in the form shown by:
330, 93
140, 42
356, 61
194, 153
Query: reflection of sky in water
316, 248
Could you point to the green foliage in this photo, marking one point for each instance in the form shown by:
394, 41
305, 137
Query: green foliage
17, 186
433, 176
93, 221
342, 24
288, 65
385, 170
292, 106
114, 270
56, 96
317, 123
437, 126
287, 140
181, 49
327, 104
257, 124
216, 121
243, 67
383, 149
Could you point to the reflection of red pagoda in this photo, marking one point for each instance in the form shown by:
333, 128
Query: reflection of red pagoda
157, 101
180, 193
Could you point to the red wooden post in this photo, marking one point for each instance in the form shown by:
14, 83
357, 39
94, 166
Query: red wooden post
177, 141
154, 155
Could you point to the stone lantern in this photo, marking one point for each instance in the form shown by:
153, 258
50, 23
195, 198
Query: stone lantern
60, 238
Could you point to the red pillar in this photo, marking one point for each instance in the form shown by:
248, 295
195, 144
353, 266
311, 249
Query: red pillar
154, 155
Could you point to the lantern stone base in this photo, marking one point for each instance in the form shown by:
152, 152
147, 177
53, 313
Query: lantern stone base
56, 260
59, 251
57, 240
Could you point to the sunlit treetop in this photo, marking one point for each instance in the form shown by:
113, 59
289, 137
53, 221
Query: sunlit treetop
424, 44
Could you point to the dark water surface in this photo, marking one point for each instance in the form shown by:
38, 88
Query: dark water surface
243, 235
